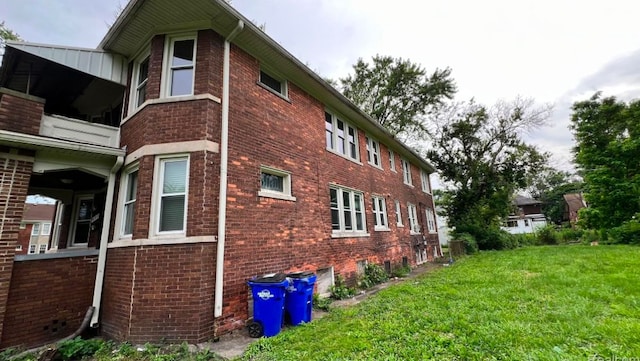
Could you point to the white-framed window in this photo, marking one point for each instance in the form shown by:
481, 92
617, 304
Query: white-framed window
398, 214
373, 152
35, 229
341, 137
380, 213
431, 221
275, 183
273, 83
46, 229
424, 177
406, 172
392, 161
82, 214
179, 65
347, 211
19, 247
32, 248
130, 190
42, 248
413, 219
170, 194
139, 80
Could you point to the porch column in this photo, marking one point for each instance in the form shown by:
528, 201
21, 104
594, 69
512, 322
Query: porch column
15, 172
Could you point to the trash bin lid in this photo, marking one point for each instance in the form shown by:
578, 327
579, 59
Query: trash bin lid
303, 274
269, 278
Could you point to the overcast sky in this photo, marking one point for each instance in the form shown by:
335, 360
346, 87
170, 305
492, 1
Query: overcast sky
555, 51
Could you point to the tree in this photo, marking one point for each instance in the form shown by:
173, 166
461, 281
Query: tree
6, 34
483, 159
396, 92
607, 133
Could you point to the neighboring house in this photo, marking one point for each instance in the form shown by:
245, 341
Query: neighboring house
36, 228
528, 218
443, 228
189, 153
573, 203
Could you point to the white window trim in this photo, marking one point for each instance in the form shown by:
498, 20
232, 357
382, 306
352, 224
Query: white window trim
286, 194
18, 247
380, 215
334, 119
74, 219
165, 81
46, 230
154, 232
406, 172
372, 145
122, 194
284, 84
133, 91
32, 248
431, 220
342, 233
424, 178
414, 226
392, 161
398, 214
35, 227
40, 250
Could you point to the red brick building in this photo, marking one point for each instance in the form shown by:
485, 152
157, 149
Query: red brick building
188, 153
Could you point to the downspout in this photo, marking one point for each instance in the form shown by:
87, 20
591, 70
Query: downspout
102, 255
224, 159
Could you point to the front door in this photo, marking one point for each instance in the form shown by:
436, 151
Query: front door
82, 220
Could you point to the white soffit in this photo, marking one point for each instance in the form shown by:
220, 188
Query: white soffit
111, 67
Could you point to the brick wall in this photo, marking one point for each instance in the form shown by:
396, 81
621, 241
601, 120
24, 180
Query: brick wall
20, 113
47, 300
15, 172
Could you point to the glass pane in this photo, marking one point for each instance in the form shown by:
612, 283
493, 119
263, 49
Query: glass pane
175, 174
341, 138
129, 210
271, 82
143, 71
172, 213
352, 143
359, 222
182, 53
335, 219
272, 182
346, 200
333, 194
82, 232
348, 224
132, 186
84, 210
142, 94
182, 81
358, 202
328, 126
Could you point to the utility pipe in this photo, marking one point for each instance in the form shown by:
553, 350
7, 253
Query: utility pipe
224, 159
102, 255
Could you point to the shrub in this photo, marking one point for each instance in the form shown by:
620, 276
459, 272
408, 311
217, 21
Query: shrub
340, 291
373, 275
469, 241
321, 303
546, 235
401, 271
569, 235
78, 348
628, 233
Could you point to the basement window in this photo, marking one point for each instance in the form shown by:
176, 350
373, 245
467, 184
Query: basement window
273, 83
275, 183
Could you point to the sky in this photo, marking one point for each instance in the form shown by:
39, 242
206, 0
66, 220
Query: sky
554, 51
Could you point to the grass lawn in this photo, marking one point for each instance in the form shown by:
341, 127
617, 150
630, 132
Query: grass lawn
536, 303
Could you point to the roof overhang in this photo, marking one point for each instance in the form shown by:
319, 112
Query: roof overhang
141, 20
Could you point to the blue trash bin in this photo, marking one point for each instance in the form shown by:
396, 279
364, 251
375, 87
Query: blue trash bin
268, 304
299, 300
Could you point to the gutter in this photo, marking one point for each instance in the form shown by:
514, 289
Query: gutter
224, 160
102, 255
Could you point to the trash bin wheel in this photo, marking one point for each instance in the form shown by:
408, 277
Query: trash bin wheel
255, 329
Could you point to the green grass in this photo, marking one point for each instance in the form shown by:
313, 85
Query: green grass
536, 303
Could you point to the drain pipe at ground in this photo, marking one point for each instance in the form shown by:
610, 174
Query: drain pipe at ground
224, 159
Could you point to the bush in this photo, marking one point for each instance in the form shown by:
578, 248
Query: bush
78, 348
340, 291
373, 275
546, 235
627, 233
469, 241
569, 235
321, 303
401, 271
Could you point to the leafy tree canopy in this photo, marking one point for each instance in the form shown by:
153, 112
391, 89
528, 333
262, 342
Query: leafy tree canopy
6, 34
607, 133
396, 92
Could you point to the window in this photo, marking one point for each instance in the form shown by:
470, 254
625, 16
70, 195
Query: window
275, 183
413, 219
398, 214
43, 248
19, 247
179, 66
83, 212
172, 194
424, 176
129, 208
380, 213
373, 152
392, 161
512, 224
406, 172
526, 223
431, 221
35, 230
139, 81
46, 229
273, 83
347, 214
341, 137
32, 248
